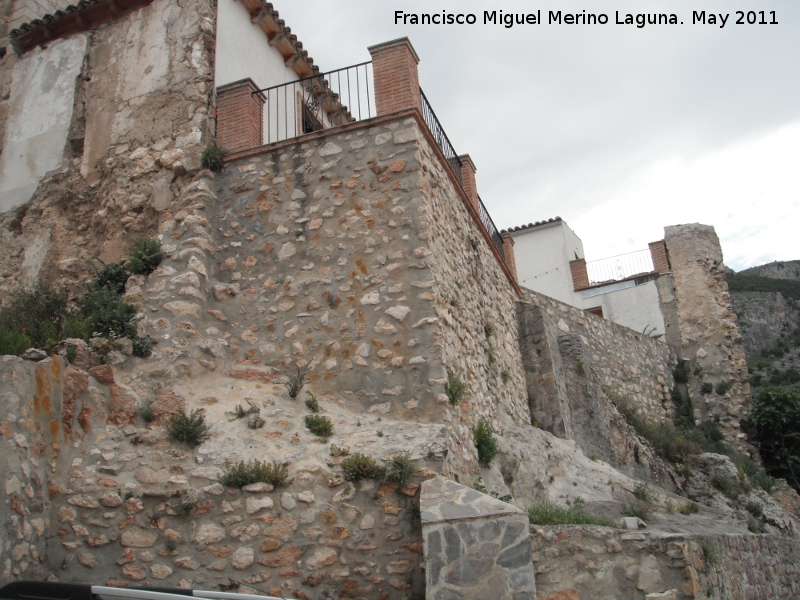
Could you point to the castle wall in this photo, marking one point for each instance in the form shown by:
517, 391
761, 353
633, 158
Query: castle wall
577, 365
594, 562
709, 337
138, 123
31, 433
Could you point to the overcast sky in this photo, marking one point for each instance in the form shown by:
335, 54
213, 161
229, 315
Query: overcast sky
617, 129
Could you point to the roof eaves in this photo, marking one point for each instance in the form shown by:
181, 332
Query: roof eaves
531, 225
82, 16
280, 36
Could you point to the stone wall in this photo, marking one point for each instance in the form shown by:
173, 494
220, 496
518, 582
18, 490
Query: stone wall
476, 546
578, 365
137, 127
348, 237
582, 563
763, 317
710, 341
31, 433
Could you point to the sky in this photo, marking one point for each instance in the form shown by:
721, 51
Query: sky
617, 129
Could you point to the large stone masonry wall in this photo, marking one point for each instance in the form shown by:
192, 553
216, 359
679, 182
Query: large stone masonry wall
578, 365
30, 433
358, 250
583, 563
710, 340
139, 123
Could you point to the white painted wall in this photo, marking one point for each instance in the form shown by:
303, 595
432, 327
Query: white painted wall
40, 113
542, 254
243, 51
635, 307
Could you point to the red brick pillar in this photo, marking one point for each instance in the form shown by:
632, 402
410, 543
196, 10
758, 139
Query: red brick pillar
508, 254
394, 68
468, 170
580, 276
240, 116
658, 250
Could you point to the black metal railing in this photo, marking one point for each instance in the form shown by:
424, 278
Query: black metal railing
318, 102
491, 228
440, 137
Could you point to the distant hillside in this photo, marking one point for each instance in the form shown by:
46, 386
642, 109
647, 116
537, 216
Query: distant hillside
766, 300
776, 270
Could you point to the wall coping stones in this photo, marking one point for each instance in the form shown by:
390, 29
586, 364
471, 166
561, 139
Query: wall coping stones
445, 500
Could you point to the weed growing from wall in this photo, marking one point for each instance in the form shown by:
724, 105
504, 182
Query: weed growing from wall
400, 470
455, 387
255, 471
483, 436
360, 466
548, 513
145, 256
189, 429
213, 158
319, 425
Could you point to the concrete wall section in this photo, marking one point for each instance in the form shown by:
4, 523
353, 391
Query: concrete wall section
40, 115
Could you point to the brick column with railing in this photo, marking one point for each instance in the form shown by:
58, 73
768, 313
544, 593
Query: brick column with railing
580, 276
468, 182
508, 254
396, 81
658, 251
240, 116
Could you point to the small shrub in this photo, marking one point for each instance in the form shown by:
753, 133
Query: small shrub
255, 471
319, 425
33, 318
669, 505
170, 546
240, 412
722, 388
690, 508
724, 485
13, 342
483, 436
185, 509
100, 311
189, 429
681, 372
147, 414
752, 525
706, 388
145, 256
400, 470
580, 368
380, 433
643, 492
113, 276
547, 513
339, 450
505, 377
213, 158
360, 466
295, 380
311, 402
455, 387
71, 353
489, 329
754, 508
142, 346
710, 554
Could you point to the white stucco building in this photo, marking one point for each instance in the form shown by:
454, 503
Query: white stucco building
550, 260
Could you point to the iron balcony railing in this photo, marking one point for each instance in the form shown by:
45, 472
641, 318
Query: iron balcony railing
318, 102
622, 266
491, 228
440, 137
